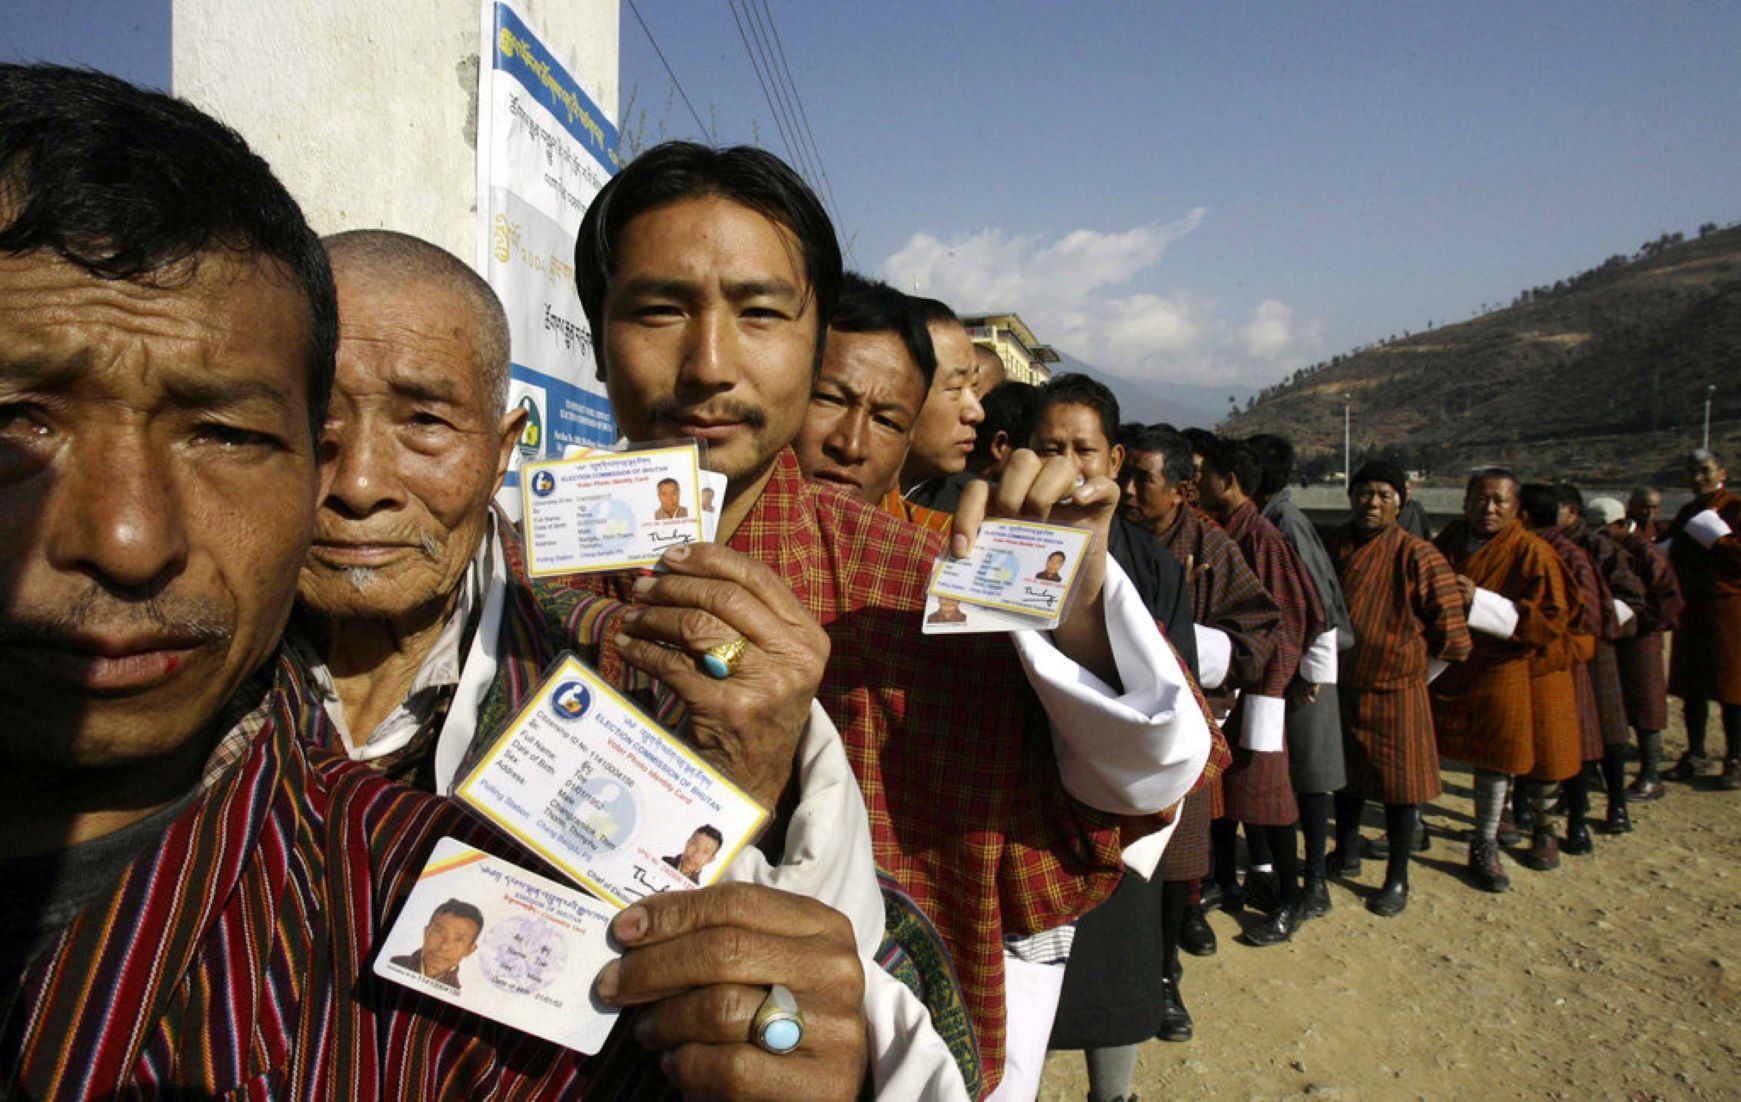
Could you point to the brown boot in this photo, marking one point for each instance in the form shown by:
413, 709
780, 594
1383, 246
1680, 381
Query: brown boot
1486, 871
1508, 835
1544, 852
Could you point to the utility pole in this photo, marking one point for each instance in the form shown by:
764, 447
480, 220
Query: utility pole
1710, 389
1347, 450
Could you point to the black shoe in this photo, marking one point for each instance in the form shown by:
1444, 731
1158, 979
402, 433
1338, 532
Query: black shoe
1277, 928
1263, 892
1690, 766
1230, 901
1317, 903
1175, 1019
1196, 936
1209, 895
1578, 843
1378, 847
1390, 900
1485, 868
1730, 779
1619, 820
1423, 837
1344, 861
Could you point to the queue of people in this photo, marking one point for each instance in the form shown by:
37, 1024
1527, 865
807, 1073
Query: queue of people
260, 613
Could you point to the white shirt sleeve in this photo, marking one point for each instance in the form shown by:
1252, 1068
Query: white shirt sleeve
1133, 753
1623, 612
1707, 527
1264, 728
1143, 856
1318, 664
1214, 655
1492, 614
1435, 667
828, 857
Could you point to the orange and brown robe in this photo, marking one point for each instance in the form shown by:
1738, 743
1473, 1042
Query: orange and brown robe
1705, 662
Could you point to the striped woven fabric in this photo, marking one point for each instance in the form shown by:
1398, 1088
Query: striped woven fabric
1582, 725
912, 512
232, 959
1404, 608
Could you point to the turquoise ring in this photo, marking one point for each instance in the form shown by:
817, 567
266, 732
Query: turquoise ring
721, 661
778, 1026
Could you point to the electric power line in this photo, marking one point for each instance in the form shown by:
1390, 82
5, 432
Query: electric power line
804, 116
699, 125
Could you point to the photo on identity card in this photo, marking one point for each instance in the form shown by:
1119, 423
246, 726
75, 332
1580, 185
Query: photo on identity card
518, 948
603, 510
1024, 571
592, 784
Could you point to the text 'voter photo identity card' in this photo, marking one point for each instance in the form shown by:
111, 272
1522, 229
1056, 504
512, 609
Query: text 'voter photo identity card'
604, 510
594, 786
1020, 575
518, 948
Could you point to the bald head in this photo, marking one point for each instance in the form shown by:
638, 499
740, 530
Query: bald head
402, 260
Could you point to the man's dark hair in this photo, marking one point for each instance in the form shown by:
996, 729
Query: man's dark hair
459, 908
1482, 474
134, 185
1540, 504
1199, 439
1275, 455
1175, 451
708, 830
674, 171
871, 306
1009, 409
1075, 389
1569, 494
931, 310
668, 482
1227, 456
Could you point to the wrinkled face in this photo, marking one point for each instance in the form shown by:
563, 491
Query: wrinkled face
1490, 504
157, 491
447, 940
668, 496
1149, 500
1066, 428
697, 852
413, 449
1644, 508
943, 434
1375, 505
862, 409
1706, 477
710, 333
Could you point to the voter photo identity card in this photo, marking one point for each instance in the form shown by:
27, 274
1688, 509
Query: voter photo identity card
605, 510
593, 785
1020, 575
518, 948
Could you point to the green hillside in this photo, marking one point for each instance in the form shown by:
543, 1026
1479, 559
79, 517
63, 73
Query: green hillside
1599, 378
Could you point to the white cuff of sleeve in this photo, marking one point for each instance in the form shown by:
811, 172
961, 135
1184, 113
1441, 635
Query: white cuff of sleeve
1318, 664
1435, 667
1214, 655
1623, 612
1492, 614
1264, 728
1143, 856
1130, 754
1707, 527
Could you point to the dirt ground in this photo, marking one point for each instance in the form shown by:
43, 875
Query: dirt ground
1618, 976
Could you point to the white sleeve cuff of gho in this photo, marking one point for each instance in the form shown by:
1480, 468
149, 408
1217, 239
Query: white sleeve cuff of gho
1623, 612
1133, 753
1435, 667
1214, 655
1264, 730
1707, 527
1143, 856
1318, 664
1492, 614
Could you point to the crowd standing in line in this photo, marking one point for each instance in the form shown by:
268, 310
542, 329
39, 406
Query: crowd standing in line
260, 612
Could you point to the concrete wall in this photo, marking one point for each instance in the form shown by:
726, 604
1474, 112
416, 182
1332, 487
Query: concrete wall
367, 109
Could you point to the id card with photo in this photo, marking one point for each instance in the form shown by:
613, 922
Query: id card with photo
518, 948
1021, 568
604, 510
593, 785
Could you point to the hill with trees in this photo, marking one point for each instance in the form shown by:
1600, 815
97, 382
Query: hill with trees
1601, 377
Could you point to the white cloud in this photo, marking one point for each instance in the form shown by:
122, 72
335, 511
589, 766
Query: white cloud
1066, 290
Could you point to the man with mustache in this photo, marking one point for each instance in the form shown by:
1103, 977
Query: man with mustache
709, 278
205, 886
423, 633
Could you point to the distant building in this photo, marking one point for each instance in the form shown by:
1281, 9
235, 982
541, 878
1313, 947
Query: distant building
1024, 357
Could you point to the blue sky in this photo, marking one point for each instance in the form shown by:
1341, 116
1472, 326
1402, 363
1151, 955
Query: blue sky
1205, 193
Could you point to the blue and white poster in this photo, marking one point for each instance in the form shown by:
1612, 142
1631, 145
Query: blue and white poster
544, 151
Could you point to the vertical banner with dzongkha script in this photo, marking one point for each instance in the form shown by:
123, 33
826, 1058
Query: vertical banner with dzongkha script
544, 150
